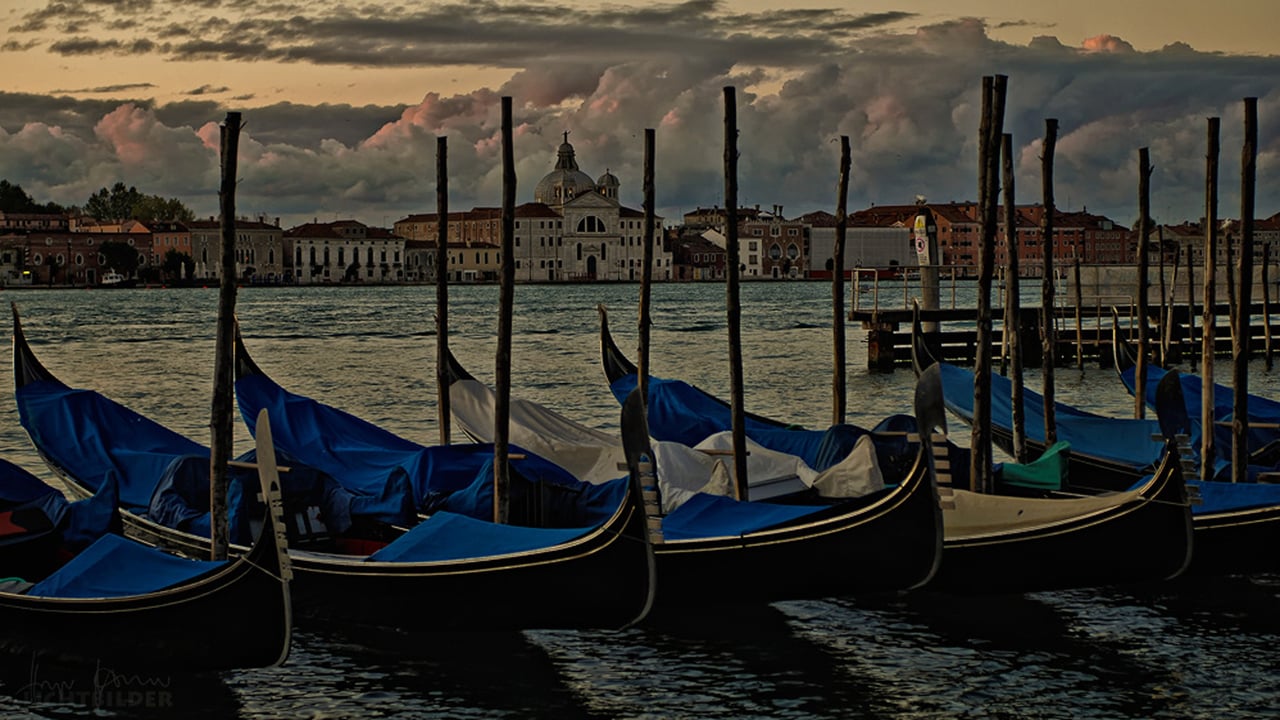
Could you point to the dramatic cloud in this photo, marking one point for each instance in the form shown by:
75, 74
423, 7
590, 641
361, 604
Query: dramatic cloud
908, 100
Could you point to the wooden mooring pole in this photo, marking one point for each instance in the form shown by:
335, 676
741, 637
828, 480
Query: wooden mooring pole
1266, 304
222, 422
1079, 316
1048, 333
506, 304
1240, 339
733, 299
1207, 325
1144, 235
646, 271
442, 289
989, 133
1012, 302
838, 391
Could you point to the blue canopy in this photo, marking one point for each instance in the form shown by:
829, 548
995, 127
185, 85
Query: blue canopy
1224, 496
706, 516
115, 567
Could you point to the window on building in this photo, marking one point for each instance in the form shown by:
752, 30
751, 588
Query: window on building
793, 252
753, 246
775, 252
591, 224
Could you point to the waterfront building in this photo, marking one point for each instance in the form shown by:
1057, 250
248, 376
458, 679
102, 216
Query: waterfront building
66, 258
576, 229
345, 251
695, 258
32, 222
260, 251
873, 240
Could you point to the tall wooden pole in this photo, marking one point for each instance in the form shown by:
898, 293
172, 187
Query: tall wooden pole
1266, 304
1191, 305
1162, 335
1144, 260
990, 131
838, 392
1013, 302
733, 300
222, 422
1079, 315
1048, 332
442, 288
506, 303
1207, 329
1240, 339
1168, 337
646, 271
1230, 263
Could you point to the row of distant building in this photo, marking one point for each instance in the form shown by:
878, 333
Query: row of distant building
575, 230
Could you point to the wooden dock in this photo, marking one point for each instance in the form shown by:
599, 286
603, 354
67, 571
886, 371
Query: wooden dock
1083, 337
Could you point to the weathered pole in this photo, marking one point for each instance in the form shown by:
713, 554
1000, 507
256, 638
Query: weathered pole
1048, 333
1266, 304
989, 133
222, 422
1207, 329
838, 391
1232, 304
1012, 302
1240, 339
646, 271
733, 300
1079, 315
506, 304
1191, 305
1144, 235
1162, 334
442, 288
1173, 297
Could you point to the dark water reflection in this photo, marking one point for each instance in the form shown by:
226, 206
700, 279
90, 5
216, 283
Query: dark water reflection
1180, 650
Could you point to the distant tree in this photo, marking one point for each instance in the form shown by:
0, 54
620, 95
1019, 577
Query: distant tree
150, 208
120, 257
113, 205
120, 203
175, 262
13, 199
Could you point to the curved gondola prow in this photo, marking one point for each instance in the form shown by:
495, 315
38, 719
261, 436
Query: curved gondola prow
931, 413
244, 364
616, 365
921, 356
453, 370
273, 522
1123, 354
642, 465
26, 368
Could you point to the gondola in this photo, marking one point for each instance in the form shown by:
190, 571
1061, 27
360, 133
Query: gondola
711, 551
994, 543
1230, 522
124, 606
450, 570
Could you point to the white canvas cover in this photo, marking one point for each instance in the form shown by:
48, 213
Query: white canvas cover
594, 456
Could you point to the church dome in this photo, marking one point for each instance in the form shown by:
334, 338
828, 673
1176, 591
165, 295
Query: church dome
608, 180
565, 182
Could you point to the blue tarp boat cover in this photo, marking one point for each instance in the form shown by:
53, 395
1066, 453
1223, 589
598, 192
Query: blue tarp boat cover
77, 523
705, 516
455, 478
90, 437
1216, 497
679, 412
450, 536
115, 567
1261, 410
1120, 440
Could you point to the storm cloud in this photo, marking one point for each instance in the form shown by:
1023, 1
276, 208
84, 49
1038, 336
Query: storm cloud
907, 98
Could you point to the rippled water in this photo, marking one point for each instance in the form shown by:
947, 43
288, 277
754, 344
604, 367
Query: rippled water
1184, 650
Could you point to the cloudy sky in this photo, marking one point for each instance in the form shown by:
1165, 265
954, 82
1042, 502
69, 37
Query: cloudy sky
344, 100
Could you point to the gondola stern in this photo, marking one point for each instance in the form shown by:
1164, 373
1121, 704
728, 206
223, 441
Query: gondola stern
273, 543
643, 492
244, 364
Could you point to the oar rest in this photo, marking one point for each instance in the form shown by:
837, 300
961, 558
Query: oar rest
941, 467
